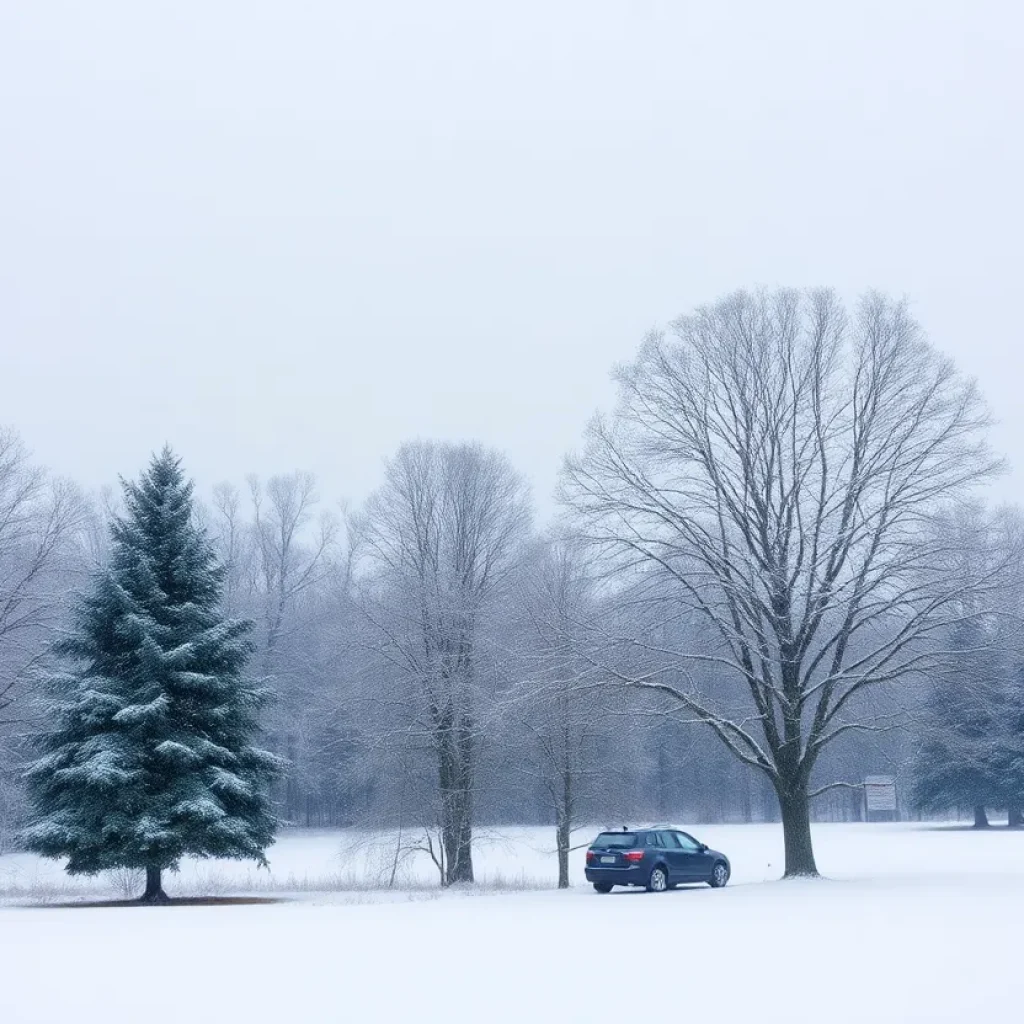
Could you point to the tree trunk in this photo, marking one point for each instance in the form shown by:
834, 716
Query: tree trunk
856, 805
796, 833
564, 814
1015, 817
154, 889
746, 800
460, 867
562, 842
661, 780
456, 778
980, 817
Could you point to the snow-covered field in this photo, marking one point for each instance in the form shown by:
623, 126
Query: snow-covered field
913, 925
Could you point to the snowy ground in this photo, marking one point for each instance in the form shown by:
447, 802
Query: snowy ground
914, 925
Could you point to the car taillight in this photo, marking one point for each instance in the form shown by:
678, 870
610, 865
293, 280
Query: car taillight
591, 856
633, 856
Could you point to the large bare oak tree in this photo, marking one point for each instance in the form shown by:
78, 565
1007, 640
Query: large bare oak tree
772, 473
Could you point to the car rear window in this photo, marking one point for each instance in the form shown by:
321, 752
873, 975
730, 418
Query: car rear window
615, 840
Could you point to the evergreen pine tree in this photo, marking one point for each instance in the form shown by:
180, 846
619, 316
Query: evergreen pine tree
961, 760
150, 754
1011, 757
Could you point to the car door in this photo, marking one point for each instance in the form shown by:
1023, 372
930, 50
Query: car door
672, 851
695, 862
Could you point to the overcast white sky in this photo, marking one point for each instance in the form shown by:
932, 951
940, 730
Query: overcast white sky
293, 234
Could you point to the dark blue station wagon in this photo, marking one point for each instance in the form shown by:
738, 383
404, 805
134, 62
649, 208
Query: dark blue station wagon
656, 858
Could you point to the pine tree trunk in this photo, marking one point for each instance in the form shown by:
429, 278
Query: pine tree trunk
154, 889
980, 817
1015, 817
796, 833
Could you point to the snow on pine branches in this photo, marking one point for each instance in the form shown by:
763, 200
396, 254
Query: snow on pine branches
150, 756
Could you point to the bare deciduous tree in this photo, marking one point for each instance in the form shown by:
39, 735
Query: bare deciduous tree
442, 536
232, 535
38, 515
772, 472
280, 551
39, 565
555, 703
288, 562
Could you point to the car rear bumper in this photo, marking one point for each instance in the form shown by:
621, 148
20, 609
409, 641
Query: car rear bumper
618, 876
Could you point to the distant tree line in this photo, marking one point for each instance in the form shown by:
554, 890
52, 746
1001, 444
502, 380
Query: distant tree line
772, 575
970, 730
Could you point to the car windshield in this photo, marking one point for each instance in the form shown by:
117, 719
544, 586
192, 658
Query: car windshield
615, 840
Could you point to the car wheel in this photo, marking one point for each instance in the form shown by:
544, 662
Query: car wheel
719, 875
603, 887
658, 882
